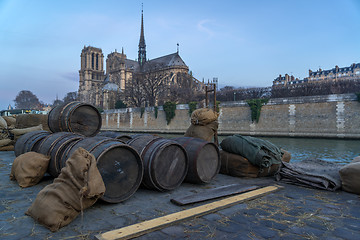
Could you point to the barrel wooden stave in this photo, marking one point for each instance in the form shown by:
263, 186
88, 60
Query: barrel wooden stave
117, 135
29, 142
165, 162
204, 159
76, 117
55, 146
119, 165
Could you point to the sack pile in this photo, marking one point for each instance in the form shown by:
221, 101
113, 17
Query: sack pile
204, 124
78, 187
350, 176
245, 156
238, 166
6, 141
32, 120
12, 128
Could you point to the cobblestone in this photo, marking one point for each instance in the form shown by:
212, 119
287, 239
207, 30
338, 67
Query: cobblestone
291, 213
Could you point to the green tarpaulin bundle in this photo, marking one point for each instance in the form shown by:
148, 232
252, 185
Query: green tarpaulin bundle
259, 152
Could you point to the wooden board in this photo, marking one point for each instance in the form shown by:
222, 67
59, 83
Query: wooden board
161, 222
213, 193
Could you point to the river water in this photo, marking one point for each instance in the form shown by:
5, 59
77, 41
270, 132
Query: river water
334, 150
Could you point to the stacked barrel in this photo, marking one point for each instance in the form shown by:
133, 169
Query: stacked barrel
125, 162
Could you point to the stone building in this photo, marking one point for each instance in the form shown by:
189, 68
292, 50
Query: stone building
103, 89
351, 72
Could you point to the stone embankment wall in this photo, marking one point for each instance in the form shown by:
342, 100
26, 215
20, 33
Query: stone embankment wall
330, 116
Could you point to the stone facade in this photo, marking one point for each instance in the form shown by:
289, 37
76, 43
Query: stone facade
103, 89
351, 72
327, 116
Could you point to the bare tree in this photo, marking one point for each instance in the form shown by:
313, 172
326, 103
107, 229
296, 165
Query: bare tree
134, 91
155, 87
26, 99
183, 91
70, 97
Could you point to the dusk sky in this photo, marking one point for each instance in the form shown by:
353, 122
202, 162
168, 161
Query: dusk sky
243, 43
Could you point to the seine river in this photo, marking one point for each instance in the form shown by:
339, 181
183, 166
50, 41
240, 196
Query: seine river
335, 150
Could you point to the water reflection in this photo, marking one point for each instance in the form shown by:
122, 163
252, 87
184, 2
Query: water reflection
335, 150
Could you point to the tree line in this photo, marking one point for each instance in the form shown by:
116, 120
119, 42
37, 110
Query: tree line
229, 93
25, 99
150, 91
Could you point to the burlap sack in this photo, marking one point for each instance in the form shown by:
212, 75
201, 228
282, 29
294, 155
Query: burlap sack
7, 148
203, 116
19, 132
29, 168
11, 121
357, 159
78, 187
3, 124
286, 157
350, 177
238, 166
5, 142
32, 120
204, 132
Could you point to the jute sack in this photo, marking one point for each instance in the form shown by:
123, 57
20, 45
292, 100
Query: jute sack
204, 132
7, 148
357, 159
203, 116
5, 142
29, 168
3, 124
78, 187
11, 121
32, 120
19, 132
286, 157
350, 177
238, 166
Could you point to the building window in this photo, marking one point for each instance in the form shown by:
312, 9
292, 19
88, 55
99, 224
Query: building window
97, 61
92, 60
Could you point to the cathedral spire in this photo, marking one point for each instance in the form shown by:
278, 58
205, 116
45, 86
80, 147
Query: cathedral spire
142, 45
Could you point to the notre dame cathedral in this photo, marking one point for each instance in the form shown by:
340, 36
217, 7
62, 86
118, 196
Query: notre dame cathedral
137, 83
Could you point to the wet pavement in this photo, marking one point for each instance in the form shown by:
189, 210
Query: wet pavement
291, 213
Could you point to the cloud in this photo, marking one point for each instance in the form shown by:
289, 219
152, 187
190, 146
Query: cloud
202, 26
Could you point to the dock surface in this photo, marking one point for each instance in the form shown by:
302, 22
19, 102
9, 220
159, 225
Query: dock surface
290, 213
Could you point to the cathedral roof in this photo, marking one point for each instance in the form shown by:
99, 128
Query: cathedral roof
171, 60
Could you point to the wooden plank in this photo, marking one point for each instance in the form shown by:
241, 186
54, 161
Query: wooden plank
161, 222
213, 193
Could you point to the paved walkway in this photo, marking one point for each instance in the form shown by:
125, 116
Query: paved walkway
291, 213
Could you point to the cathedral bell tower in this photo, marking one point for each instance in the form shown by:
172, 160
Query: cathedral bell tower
91, 74
142, 45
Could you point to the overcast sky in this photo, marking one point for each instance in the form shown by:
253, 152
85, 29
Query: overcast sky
243, 43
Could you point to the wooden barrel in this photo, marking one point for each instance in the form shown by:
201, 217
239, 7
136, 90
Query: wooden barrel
29, 142
119, 164
140, 141
76, 117
53, 145
117, 135
204, 159
165, 162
